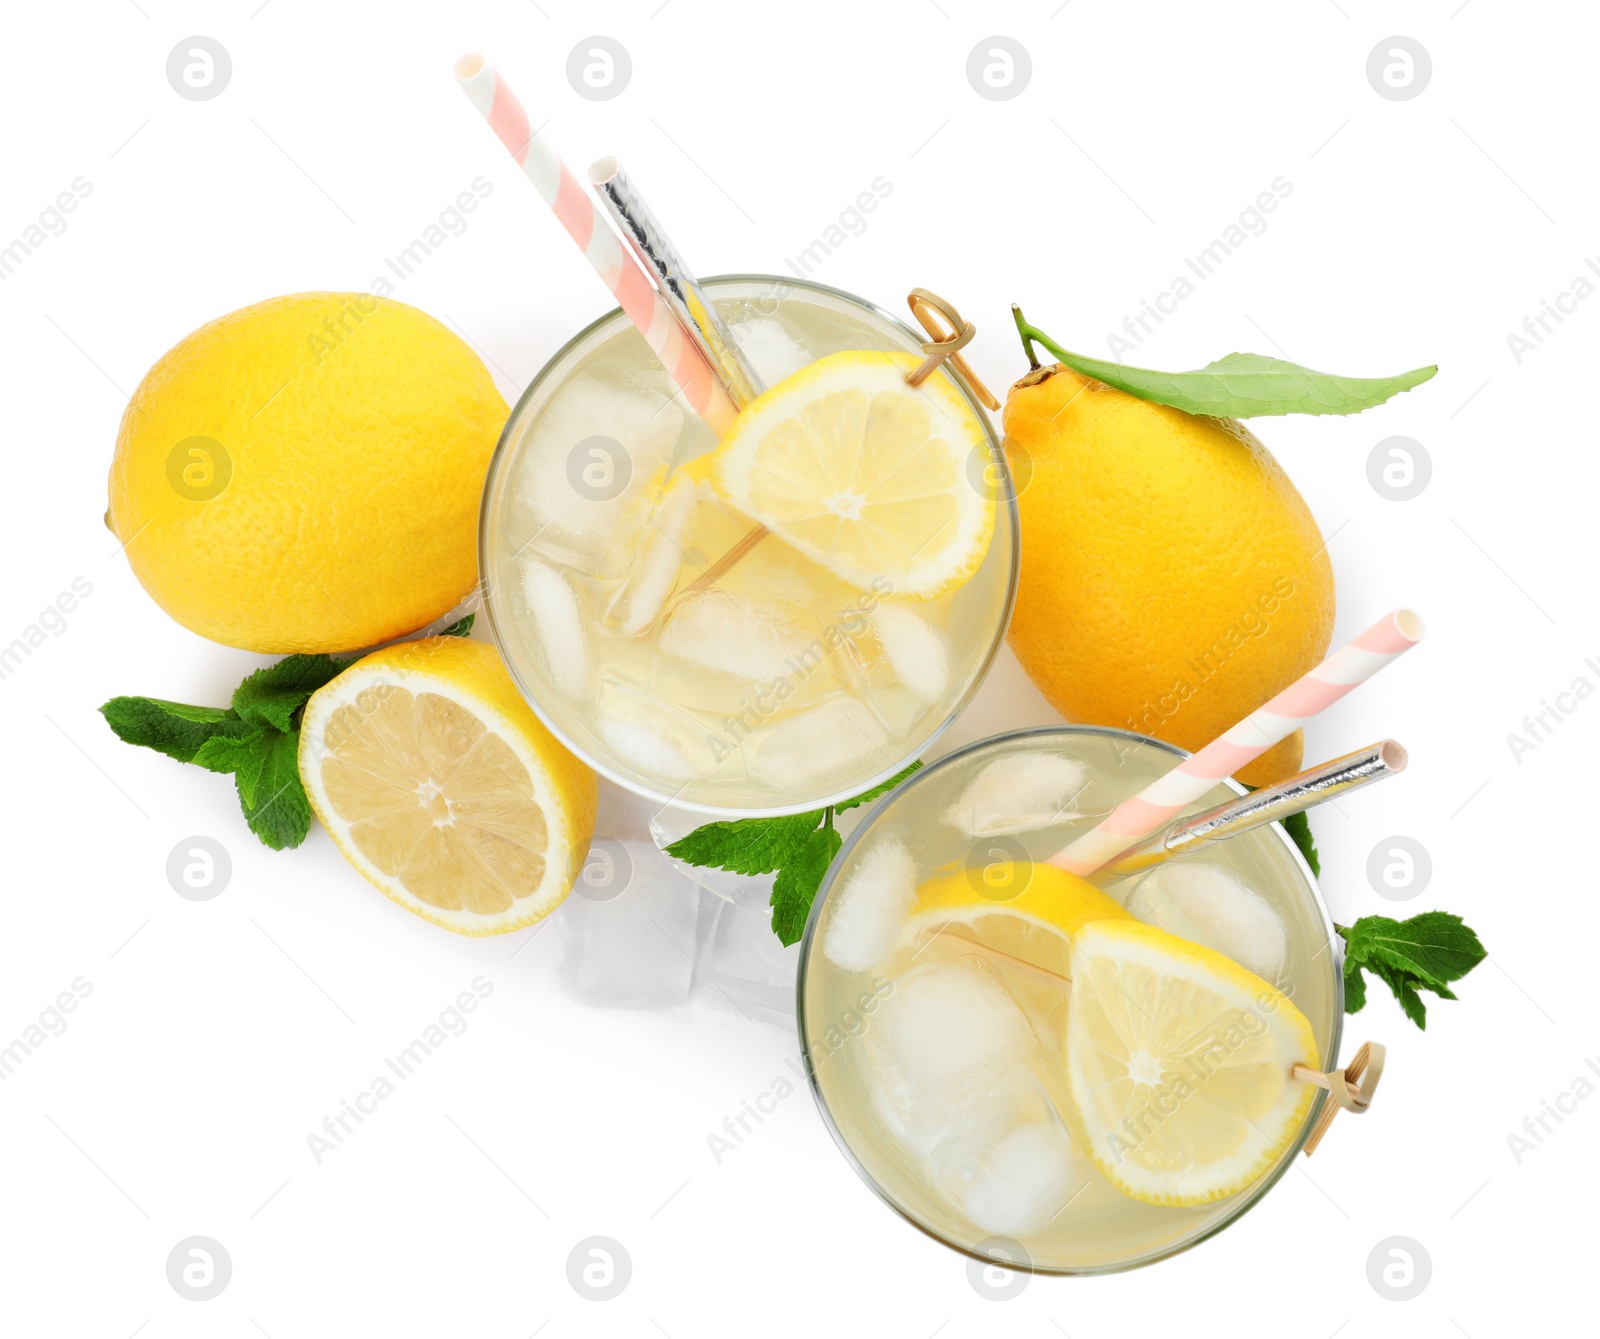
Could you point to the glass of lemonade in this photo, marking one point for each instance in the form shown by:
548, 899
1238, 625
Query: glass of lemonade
776, 688
945, 1071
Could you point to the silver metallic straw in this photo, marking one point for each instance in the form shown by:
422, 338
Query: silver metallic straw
694, 310
1270, 803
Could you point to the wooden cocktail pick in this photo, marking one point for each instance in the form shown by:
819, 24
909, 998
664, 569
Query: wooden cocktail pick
1349, 1089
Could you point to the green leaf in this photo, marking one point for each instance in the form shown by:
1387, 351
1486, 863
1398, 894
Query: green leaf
271, 696
1298, 826
460, 628
278, 812
1355, 987
1411, 956
1404, 987
798, 881
882, 788
1242, 385
747, 845
243, 757
169, 727
1435, 946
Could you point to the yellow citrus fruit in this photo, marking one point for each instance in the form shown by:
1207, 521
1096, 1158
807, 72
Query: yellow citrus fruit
1030, 912
1178, 1063
443, 789
864, 473
1172, 578
304, 474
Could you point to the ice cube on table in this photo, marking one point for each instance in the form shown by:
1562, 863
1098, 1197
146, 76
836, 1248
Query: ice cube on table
1210, 905
744, 968
1020, 792
593, 469
946, 1034
874, 898
836, 735
652, 734
655, 567
559, 626
631, 942
770, 349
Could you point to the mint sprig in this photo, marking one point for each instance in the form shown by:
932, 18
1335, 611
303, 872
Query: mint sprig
797, 847
1424, 953
256, 739
1242, 385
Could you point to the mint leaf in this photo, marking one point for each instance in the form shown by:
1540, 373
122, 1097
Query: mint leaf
1423, 953
747, 845
797, 882
460, 628
243, 757
271, 696
1436, 945
1242, 385
257, 740
1355, 987
1404, 988
277, 811
169, 727
882, 788
1298, 826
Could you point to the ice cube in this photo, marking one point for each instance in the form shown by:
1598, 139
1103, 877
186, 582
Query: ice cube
1210, 905
1020, 792
947, 1033
631, 940
805, 747
871, 905
655, 567
592, 471
559, 627
652, 734
745, 968
741, 636
1024, 1180
915, 649
897, 661
770, 349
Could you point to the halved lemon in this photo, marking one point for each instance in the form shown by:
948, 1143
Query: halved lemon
1178, 1063
443, 789
1030, 912
865, 474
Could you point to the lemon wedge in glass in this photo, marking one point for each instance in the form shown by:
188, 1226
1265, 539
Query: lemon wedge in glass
1178, 1064
879, 481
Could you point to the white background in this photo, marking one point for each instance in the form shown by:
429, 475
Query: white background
178, 1100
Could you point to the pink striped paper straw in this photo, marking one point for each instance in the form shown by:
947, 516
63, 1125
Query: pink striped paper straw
1160, 801
618, 270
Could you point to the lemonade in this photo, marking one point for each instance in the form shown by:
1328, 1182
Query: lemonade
1071, 1130
837, 646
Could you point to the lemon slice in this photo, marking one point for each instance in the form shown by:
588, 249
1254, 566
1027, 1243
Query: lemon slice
864, 473
441, 787
1178, 1063
1030, 912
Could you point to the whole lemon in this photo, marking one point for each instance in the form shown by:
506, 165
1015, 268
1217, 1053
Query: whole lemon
304, 474
1172, 578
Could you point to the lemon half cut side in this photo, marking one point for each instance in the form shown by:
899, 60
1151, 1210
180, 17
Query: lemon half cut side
442, 788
